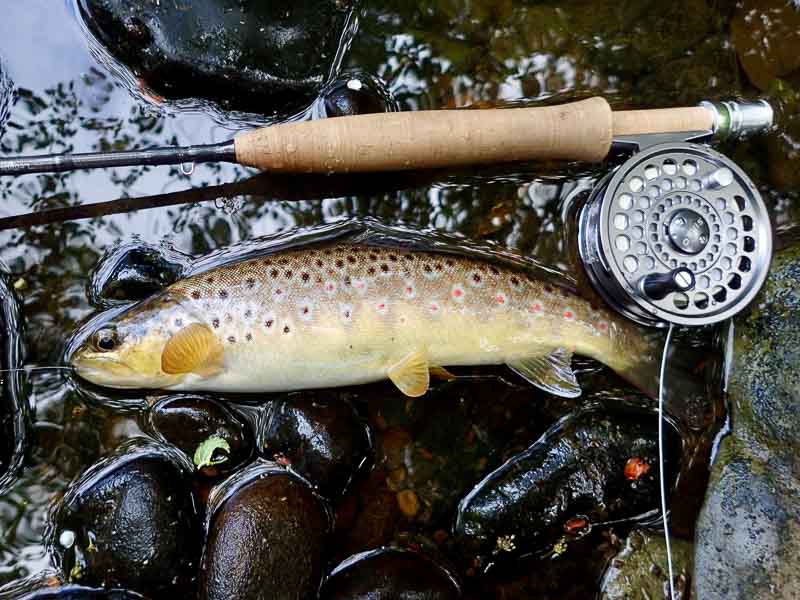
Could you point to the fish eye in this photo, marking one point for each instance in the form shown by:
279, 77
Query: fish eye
106, 340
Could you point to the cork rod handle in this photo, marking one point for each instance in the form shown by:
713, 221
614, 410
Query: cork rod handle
580, 131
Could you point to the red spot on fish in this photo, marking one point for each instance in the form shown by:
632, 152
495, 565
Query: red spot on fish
602, 326
536, 308
636, 468
501, 299
569, 315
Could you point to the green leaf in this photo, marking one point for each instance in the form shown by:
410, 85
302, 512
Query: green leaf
214, 451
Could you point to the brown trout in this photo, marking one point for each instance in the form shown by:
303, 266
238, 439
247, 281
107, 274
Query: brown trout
347, 314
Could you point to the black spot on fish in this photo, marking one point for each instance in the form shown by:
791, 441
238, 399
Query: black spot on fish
196, 295
385, 268
327, 252
371, 271
178, 322
548, 289
393, 257
438, 266
305, 277
351, 259
476, 278
347, 280
339, 264
209, 280
231, 339
273, 273
319, 263
449, 263
228, 318
494, 271
288, 274
514, 281
267, 262
215, 323
286, 329
373, 257
269, 323
427, 268
305, 310
248, 313
251, 283
223, 294
408, 257
249, 337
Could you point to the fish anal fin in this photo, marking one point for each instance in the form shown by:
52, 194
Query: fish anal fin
193, 349
441, 373
411, 374
551, 372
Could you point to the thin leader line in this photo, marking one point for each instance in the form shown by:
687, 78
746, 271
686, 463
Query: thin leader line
661, 460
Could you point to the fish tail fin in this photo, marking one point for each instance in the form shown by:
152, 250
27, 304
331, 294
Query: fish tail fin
685, 369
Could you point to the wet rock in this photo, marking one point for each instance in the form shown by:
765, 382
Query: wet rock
748, 539
578, 475
13, 398
766, 34
390, 574
187, 422
134, 271
244, 54
266, 536
640, 569
317, 435
354, 93
129, 521
50, 586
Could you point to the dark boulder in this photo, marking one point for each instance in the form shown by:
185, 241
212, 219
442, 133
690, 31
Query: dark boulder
593, 467
192, 423
748, 542
390, 574
266, 537
317, 435
248, 55
130, 521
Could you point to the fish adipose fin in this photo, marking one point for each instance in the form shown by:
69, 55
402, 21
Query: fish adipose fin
550, 372
411, 374
193, 349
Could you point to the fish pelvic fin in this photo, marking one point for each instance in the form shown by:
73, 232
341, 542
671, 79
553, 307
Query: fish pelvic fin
193, 349
551, 372
411, 374
441, 373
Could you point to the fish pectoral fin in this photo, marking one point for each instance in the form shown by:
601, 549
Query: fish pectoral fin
550, 372
441, 373
193, 349
411, 374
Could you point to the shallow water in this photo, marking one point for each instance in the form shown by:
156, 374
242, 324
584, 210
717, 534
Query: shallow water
58, 93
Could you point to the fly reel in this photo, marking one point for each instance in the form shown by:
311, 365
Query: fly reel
678, 233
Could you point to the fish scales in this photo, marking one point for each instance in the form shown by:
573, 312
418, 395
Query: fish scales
346, 313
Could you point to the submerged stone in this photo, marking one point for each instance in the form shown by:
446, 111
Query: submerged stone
577, 476
748, 538
13, 401
130, 521
640, 569
266, 537
134, 271
390, 574
355, 93
187, 422
262, 57
317, 435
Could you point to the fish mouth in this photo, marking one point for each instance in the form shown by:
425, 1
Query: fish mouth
103, 370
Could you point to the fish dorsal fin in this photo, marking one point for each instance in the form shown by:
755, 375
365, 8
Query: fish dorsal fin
193, 349
411, 374
550, 372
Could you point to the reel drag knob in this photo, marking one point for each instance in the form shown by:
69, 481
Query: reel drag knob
658, 285
677, 234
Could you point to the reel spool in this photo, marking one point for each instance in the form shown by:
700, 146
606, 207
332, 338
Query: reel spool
677, 234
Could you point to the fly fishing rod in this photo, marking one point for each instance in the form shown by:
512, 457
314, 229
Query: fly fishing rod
579, 131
